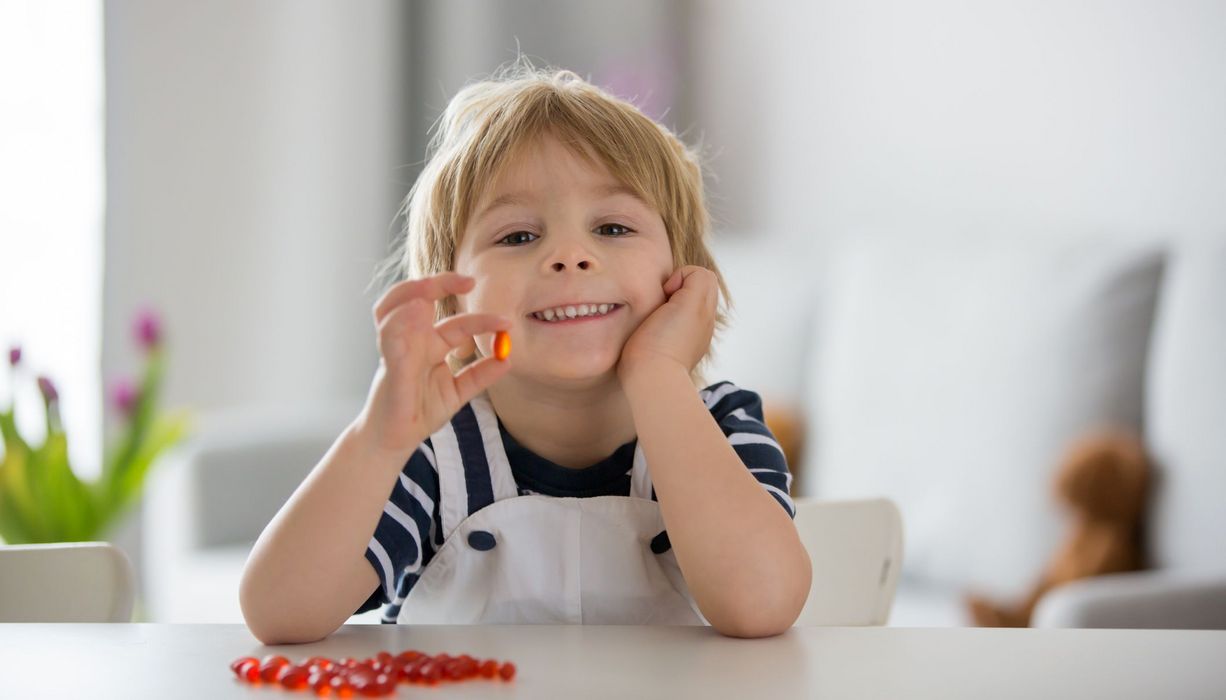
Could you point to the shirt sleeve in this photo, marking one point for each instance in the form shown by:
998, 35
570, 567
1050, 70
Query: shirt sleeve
739, 413
406, 536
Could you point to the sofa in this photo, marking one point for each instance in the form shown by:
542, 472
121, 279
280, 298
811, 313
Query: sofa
946, 372
949, 372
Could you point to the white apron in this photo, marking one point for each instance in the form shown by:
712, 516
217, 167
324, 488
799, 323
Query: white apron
511, 559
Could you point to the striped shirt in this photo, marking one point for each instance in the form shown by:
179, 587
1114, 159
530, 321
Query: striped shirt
409, 532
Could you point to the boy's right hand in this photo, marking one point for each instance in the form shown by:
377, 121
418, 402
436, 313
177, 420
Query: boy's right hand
414, 392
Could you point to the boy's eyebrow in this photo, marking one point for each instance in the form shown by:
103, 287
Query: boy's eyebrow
511, 198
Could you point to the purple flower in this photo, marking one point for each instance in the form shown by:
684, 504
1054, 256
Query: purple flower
148, 328
48, 388
14, 355
123, 396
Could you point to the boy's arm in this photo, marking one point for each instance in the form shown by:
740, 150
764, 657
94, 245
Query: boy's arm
308, 572
739, 551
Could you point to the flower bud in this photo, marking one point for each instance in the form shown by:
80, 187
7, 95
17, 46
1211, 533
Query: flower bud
48, 389
123, 396
148, 329
14, 355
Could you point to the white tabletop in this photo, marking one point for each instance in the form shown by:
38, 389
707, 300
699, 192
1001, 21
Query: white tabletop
192, 661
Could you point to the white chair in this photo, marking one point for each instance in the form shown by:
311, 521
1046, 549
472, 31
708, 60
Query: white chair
855, 547
66, 582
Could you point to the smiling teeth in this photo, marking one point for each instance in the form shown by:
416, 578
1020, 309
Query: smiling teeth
574, 311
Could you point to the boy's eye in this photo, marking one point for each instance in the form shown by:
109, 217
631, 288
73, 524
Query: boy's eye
614, 226
509, 236
512, 235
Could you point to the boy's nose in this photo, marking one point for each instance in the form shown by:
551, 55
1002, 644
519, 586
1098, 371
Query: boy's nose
581, 265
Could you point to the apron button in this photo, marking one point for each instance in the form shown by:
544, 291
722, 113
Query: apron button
660, 543
481, 540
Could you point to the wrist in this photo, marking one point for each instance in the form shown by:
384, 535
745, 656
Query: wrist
644, 377
361, 436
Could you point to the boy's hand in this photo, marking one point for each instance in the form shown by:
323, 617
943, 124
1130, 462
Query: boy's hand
679, 330
414, 392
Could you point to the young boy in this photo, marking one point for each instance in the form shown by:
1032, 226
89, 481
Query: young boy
586, 477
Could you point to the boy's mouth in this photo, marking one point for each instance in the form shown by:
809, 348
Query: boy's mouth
574, 313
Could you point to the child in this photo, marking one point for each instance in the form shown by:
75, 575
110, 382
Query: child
520, 489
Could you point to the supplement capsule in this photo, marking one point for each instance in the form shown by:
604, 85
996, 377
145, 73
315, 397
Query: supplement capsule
502, 345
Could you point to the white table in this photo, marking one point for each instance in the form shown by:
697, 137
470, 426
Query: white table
192, 661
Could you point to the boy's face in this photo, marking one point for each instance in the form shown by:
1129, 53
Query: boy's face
562, 236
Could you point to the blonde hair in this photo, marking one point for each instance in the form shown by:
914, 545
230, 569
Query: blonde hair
487, 123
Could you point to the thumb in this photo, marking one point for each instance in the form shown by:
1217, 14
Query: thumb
478, 376
674, 282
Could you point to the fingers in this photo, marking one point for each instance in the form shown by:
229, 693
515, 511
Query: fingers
465, 349
673, 283
409, 331
475, 378
459, 331
395, 332
429, 288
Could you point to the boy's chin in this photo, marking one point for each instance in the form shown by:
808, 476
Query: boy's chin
577, 375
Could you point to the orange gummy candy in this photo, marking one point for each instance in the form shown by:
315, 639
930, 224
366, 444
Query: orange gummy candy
502, 345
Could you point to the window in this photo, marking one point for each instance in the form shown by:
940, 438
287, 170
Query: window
51, 215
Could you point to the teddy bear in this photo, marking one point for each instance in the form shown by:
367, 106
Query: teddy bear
1103, 482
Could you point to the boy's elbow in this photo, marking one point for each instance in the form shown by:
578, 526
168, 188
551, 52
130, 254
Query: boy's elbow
771, 614
271, 631
754, 626
269, 627
273, 637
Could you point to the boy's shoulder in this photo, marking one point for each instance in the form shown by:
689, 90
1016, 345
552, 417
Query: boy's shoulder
725, 398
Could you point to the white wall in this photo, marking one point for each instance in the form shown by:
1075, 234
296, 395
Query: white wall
1028, 117
1095, 113
255, 155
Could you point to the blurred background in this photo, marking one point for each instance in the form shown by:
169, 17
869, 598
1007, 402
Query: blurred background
949, 229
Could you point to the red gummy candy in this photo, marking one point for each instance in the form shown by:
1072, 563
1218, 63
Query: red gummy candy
295, 679
247, 669
321, 681
321, 662
412, 670
372, 677
411, 655
340, 685
236, 664
431, 671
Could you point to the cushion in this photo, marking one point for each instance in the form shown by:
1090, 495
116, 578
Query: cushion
1185, 411
952, 372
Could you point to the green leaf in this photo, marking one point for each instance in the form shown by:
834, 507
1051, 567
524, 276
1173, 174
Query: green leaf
120, 461
164, 432
68, 501
16, 505
13, 526
8, 427
15, 483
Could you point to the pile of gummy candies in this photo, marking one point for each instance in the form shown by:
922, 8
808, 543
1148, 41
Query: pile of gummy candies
372, 677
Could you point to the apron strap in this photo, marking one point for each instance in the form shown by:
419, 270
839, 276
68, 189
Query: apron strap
640, 478
473, 470
502, 480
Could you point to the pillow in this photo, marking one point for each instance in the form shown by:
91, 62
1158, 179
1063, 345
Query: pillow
951, 373
1185, 411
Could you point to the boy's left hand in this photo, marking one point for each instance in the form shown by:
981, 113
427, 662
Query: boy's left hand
679, 330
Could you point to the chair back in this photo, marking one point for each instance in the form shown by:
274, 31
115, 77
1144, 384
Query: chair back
66, 582
856, 550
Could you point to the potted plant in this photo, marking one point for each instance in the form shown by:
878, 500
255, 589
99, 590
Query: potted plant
42, 499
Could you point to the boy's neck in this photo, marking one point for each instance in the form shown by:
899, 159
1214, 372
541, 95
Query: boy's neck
571, 428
